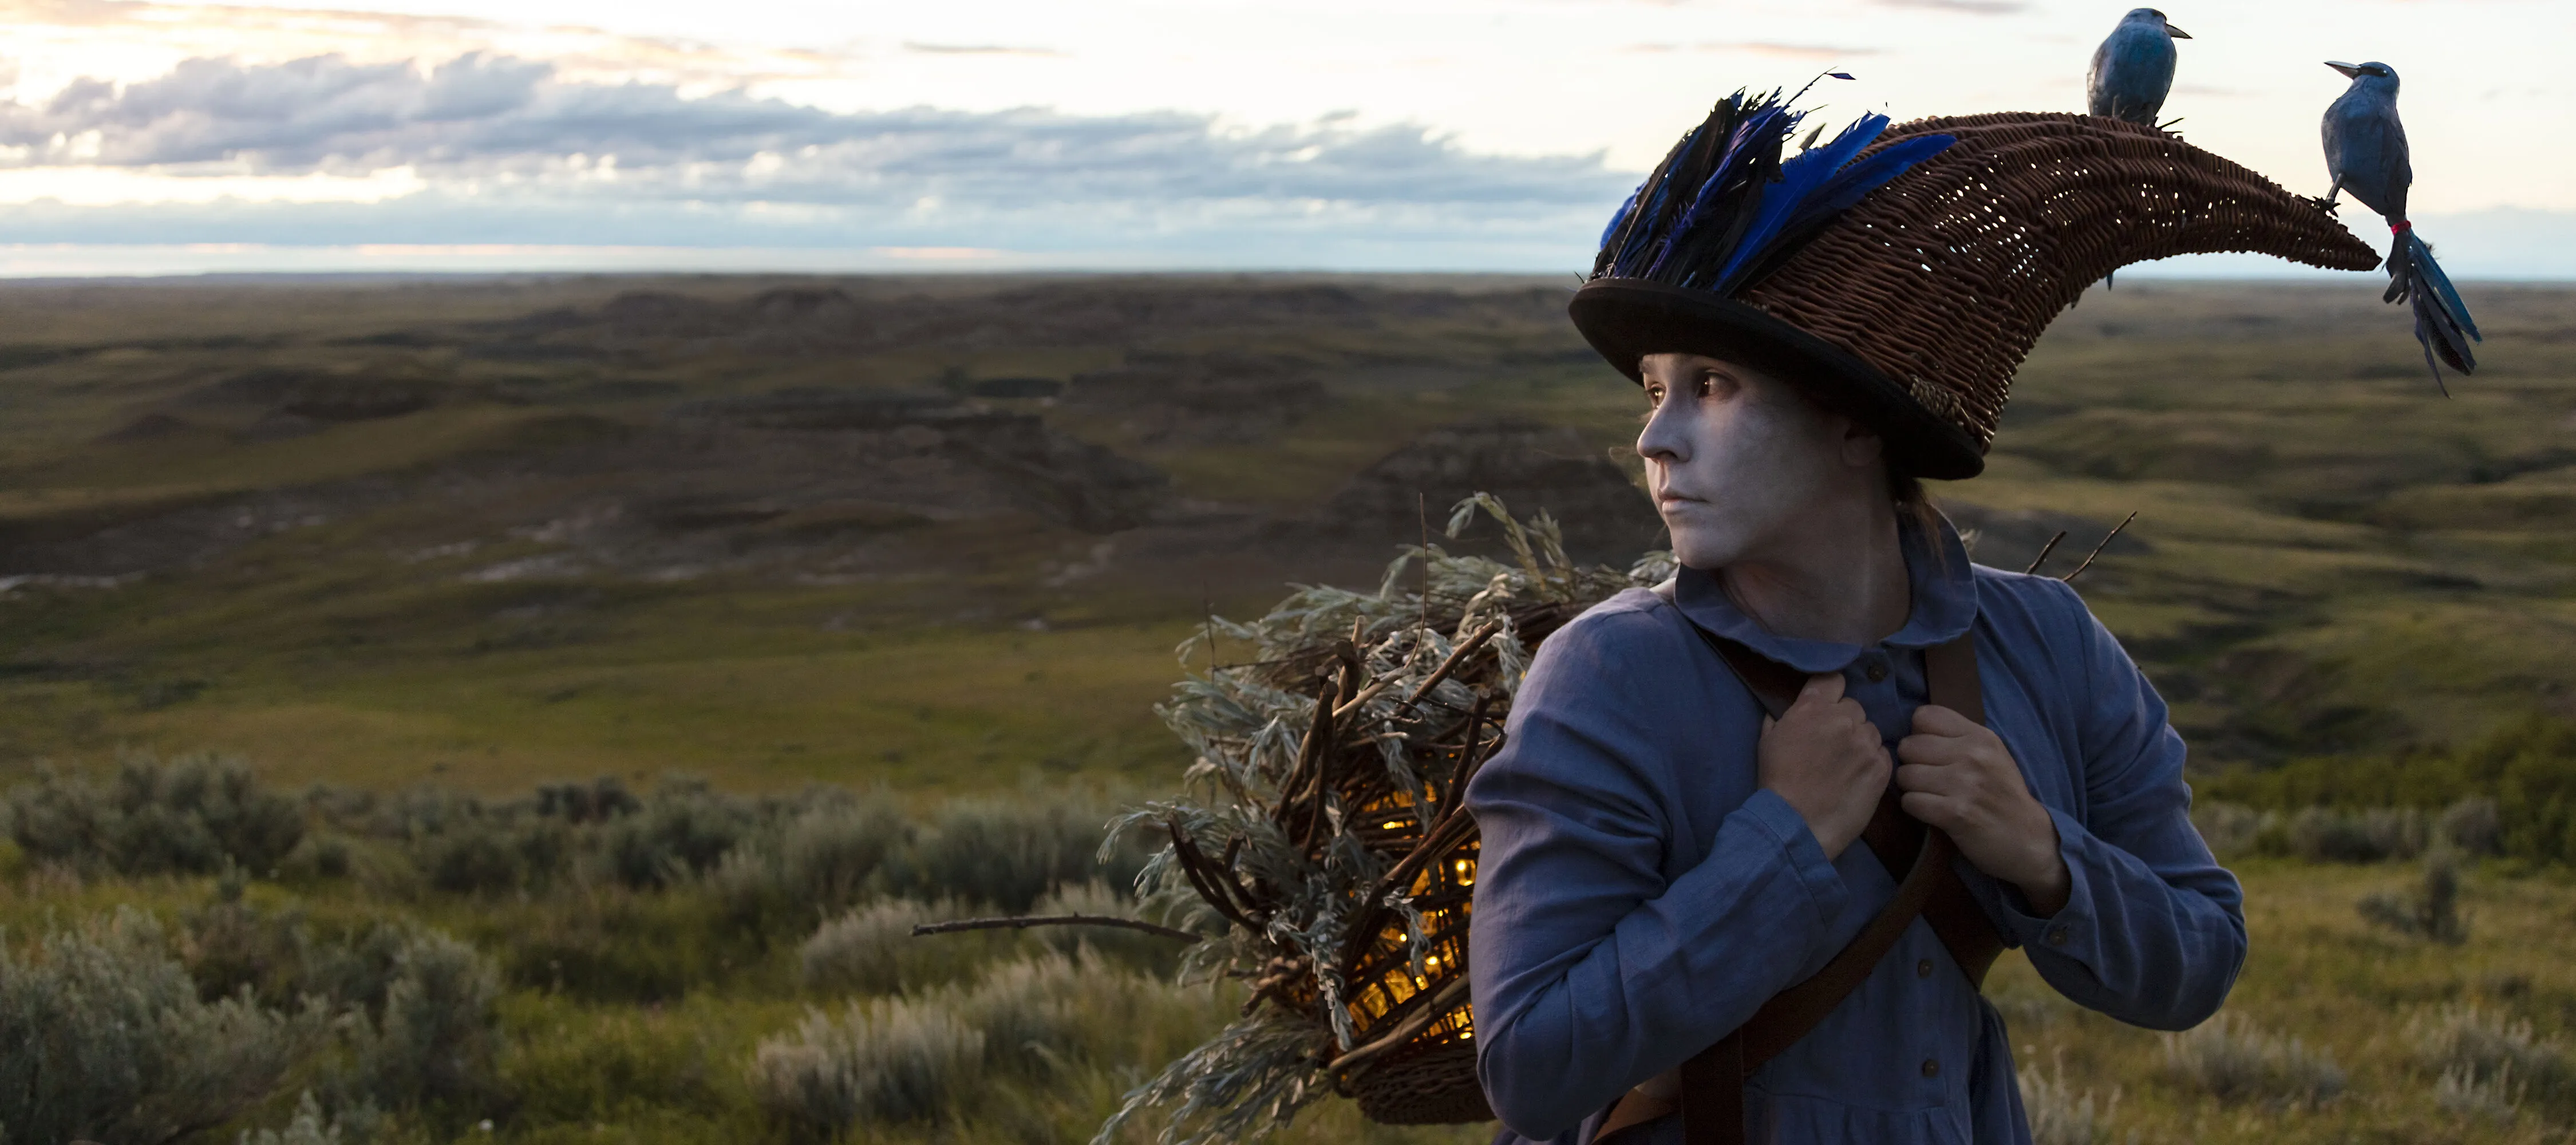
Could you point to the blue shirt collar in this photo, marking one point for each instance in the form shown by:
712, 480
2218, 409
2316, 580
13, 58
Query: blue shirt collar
1944, 605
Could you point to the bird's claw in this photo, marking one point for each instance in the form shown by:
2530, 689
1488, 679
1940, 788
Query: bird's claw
2325, 203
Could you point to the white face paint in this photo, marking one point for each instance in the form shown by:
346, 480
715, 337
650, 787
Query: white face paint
1739, 461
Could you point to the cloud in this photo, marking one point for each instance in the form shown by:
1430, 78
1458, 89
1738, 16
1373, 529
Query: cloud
1826, 52
1970, 7
489, 149
503, 122
976, 50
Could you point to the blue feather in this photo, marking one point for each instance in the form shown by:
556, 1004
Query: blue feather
1760, 133
1859, 179
2451, 304
1719, 210
1798, 177
1612, 231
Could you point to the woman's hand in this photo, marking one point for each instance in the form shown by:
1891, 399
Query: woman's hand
1825, 757
1959, 777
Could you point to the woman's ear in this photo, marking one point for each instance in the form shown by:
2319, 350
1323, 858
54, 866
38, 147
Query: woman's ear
1862, 447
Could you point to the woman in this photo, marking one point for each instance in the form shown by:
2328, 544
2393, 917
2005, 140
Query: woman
1660, 856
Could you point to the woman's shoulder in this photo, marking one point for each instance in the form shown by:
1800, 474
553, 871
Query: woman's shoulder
1632, 622
2032, 613
1617, 652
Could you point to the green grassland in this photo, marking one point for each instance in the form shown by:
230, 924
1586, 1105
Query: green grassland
2335, 556
496, 562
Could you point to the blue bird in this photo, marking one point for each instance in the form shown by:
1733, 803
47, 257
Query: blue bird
2366, 154
2133, 69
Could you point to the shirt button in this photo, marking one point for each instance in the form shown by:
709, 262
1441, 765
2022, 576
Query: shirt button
2057, 936
1876, 671
1923, 969
1931, 1067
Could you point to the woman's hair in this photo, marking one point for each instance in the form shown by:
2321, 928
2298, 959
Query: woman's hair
1914, 503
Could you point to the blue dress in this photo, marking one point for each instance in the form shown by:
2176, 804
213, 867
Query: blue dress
1638, 896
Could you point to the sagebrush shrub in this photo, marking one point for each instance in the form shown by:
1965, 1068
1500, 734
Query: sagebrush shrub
810, 863
194, 815
431, 1042
2235, 1060
2483, 1055
107, 1040
872, 949
684, 830
2229, 828
915, 1057
887, 1059
1006, 854
2432, 912
2320, 834
2474, 825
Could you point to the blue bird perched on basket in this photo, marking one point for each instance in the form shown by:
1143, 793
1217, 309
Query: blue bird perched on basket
2133, 70
2366, 154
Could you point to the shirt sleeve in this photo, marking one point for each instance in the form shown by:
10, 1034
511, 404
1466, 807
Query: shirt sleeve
2153, 930
1591, 970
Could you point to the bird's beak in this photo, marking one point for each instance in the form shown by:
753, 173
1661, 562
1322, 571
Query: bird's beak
2349, 72
2176, 33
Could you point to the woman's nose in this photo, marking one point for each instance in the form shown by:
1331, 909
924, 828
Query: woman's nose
1662, 439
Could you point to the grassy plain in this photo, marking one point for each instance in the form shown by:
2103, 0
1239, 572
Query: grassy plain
2334, 556
2329, 558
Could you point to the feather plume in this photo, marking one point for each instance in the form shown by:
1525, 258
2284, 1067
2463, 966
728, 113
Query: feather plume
1724, 207
2442, 321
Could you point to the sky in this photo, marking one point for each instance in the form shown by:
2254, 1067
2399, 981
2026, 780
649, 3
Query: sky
141, 137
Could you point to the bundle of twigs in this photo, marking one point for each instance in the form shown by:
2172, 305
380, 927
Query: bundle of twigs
1323, 843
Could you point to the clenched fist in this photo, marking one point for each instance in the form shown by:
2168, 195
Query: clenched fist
1825, 757
1961, 778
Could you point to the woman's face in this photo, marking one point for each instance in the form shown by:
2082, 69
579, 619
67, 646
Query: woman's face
1737, 459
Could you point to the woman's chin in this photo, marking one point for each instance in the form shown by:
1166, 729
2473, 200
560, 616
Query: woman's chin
1696, 548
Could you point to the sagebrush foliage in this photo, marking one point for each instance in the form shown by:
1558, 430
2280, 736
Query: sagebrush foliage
194, 815
106, 1039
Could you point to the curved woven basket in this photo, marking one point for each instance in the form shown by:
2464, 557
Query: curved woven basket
1944, 278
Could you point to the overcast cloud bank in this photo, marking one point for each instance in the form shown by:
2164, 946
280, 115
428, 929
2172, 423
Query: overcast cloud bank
502, 150
510, 153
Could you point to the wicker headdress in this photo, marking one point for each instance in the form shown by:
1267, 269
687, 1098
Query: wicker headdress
1900, 274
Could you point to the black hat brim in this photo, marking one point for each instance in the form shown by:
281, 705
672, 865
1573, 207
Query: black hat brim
1626, 319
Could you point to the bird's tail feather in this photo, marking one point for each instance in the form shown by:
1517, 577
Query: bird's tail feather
2442, 321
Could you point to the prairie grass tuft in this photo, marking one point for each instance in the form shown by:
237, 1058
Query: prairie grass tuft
2058, 1114
2461, 1091
2234, 1060
2485, 1061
